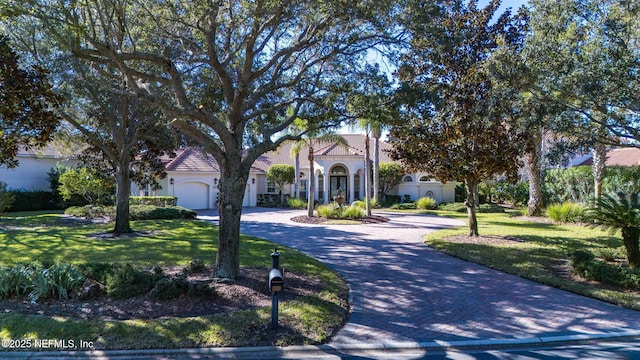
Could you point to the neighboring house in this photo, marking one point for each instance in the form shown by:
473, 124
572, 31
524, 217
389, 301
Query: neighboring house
193, 177
33, 168
617, 157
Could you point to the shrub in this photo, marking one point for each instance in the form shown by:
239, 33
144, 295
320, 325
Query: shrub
566, 212
150, 212
296, 203
98, 271
611, 254
34, 201
426, 203
128, 281
6, 197
160, 201
170, 288
353, 212
456, 207
585, 264
6, 283
329, 211
404, 206
89, 184
360, 204
489, 208
91, 211
195, 266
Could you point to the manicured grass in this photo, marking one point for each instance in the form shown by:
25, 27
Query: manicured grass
49, 237
544, 247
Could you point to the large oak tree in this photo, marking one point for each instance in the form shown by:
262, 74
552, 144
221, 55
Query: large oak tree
458, 123
232, 74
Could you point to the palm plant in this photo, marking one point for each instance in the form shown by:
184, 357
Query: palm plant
618, 211
311, 139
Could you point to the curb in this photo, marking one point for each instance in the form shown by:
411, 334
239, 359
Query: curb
269, 352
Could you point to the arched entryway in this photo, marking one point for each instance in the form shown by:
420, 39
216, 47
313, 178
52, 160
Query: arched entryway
339, 179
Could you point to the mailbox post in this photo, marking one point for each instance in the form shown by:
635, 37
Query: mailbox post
276, 283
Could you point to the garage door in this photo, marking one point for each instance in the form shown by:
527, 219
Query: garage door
193, 195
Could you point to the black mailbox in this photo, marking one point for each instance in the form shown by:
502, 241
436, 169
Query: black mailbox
275, 281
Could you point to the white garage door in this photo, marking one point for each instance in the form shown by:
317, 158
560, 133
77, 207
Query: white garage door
192, 195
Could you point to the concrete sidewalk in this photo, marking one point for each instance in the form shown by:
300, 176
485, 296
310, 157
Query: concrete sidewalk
405, 292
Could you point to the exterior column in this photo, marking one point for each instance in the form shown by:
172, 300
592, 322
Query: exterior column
352, 188
327, 183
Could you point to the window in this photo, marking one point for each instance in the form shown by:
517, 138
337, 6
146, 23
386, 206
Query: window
320, 187
338, 170
303, 185
408, 178
356, 181
424, 178
271, 186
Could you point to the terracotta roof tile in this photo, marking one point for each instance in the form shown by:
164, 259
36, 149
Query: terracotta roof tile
623, 157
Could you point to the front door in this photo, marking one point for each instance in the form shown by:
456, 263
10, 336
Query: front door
339, 182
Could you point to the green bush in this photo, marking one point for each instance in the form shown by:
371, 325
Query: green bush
38, 281
91, 211
296, 203
426, 203
33, 201
170, 288
404, 206
150, 212
329, 211
566, 212
489, 208
99, 272
585, 265
456, 207
128, 281
6, 198
160, 201
360, 204
195, 266
352, 212
391, 200
611, 254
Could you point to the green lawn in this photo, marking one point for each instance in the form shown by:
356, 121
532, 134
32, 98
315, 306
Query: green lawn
49, 237
544, 247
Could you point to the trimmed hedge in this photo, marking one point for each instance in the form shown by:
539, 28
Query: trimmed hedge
586, 265
136, 212
33, 201
162, 201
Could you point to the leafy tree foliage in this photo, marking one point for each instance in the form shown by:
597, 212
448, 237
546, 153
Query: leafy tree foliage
281, 175
584, 54
26, 106
390, 176
89, 184
232, 75
458, 123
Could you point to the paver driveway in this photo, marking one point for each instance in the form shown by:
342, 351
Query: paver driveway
406, 291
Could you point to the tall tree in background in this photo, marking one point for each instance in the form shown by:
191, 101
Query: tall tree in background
27, 102
372, 104
586, 59
225, 72
456, 125
125, 136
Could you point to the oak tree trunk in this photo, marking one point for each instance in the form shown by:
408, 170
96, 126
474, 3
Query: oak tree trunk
232, 186
123, 191
535, 204
471, 203
376, 167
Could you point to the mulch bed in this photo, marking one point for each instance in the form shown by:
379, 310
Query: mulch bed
248, 291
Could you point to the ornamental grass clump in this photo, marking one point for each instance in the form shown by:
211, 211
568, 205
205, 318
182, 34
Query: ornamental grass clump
566, 212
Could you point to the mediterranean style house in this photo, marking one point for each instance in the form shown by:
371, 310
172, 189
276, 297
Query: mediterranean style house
193, 176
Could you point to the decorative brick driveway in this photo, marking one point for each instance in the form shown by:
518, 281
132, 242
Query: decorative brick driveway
406, 292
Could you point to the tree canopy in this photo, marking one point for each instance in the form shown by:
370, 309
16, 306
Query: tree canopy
231, 75
456, 123
27, 102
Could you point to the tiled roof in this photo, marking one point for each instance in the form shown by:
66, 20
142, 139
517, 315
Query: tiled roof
623, 157
192, 159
